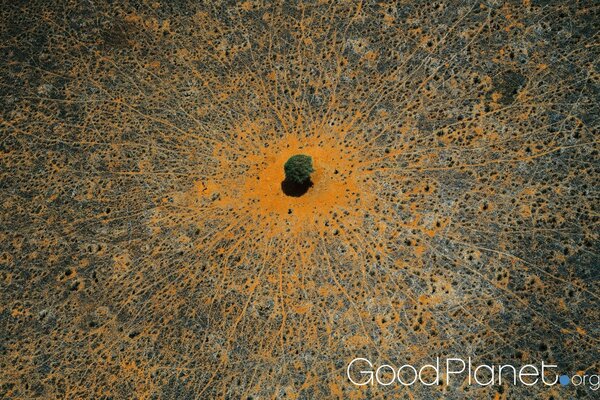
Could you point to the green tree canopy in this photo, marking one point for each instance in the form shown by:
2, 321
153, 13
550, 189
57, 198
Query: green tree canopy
298, 169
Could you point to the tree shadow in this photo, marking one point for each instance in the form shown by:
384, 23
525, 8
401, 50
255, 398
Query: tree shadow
295, 189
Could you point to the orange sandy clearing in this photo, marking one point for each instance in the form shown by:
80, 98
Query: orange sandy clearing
337, 185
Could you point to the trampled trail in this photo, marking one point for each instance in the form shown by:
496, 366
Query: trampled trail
148, 250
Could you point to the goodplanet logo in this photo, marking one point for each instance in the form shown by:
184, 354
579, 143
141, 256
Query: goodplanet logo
362, 372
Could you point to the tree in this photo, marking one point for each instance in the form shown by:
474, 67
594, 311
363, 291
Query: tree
298, 169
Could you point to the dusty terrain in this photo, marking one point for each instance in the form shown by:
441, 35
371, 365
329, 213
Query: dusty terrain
147, 250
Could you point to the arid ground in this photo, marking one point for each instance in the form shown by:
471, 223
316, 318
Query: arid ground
148, 251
